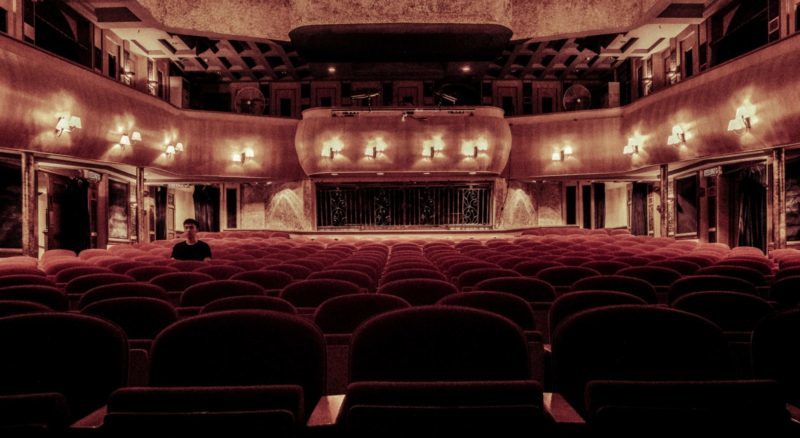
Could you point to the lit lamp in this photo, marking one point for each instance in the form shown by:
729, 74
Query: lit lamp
169, 151
432, 147
562, 154
741, 122
66, 123
632, 147
474, 148
242, 157
332, 147
678, 136
374, 147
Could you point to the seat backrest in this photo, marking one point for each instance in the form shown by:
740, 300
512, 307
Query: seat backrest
146, 273
50, 296
438, 343
187, 265
402, 274
311, 293
268, 279
605, 267
120, 290
731, 311
575, 302
532, 268
470, 278
241, 348
68, 274
24, 280
419, 291
361, 279
297, 272
785, 291
655, 275
685, 267
775, 352
250, 302
749, 275
529, 289
565, 275
203, 293
504, 304
221, 272
619, 283
82, 357
343, 314
636, 343
139, 317
180, 281
17, 307
702, 283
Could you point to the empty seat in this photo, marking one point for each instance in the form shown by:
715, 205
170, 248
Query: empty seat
467, 279
147, 273
786, 292
419, 291
361, 279
57, 368
529, 289
141, 318
311, 293
563, 277
297, 272
685, 267
731, 311
775, 352
657, 276
206, 377
605, 267
250, 302
268, 279
49, 296
441, 371
575, 302
187, 265
749, 275
123, 267
504, 304
701, 283
343, 314
221, 272
24, 280
532, 268
637, 343
20, 270
179, 281
619, 283
402, 274
203, 293
122, 290
83, 283
18, 307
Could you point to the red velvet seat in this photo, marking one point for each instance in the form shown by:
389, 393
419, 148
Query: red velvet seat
122, 290
419, 291
147, 273
313, 292
249, 302
201, 294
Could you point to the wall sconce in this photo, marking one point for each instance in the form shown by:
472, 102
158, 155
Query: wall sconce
678, 136
632, 147
171, 150
332, 147
741, 122
375, 147
126, 140
242, 157
562, 154
472, 148
432, 147
66, 123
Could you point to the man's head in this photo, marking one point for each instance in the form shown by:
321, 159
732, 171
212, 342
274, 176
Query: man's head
190, 228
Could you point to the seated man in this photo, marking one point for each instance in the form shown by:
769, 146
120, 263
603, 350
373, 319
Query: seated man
191, 249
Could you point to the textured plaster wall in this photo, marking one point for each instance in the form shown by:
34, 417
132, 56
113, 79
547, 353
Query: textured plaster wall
549, 204
274, 19
285, 206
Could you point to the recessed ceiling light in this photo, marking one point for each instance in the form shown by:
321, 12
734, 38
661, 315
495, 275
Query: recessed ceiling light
331, 69
379, 174
466, 68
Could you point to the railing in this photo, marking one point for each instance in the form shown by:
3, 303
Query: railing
404, 206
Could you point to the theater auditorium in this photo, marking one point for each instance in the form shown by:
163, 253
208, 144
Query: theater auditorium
395, 218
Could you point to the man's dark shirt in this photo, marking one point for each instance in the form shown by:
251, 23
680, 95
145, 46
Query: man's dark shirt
198, 251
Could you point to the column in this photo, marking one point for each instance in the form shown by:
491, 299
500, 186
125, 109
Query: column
141, 219
663, 177
779, 197
30, 245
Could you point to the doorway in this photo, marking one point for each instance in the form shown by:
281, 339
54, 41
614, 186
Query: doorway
68, 225
747, 188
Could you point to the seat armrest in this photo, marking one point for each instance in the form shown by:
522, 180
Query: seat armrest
561, 411
93, 421
327, 411
794, 412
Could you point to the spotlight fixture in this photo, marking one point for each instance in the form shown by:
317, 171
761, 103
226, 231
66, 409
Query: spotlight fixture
66, 123
242, 157
473, 148
741, 122
562, 154
678, 136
